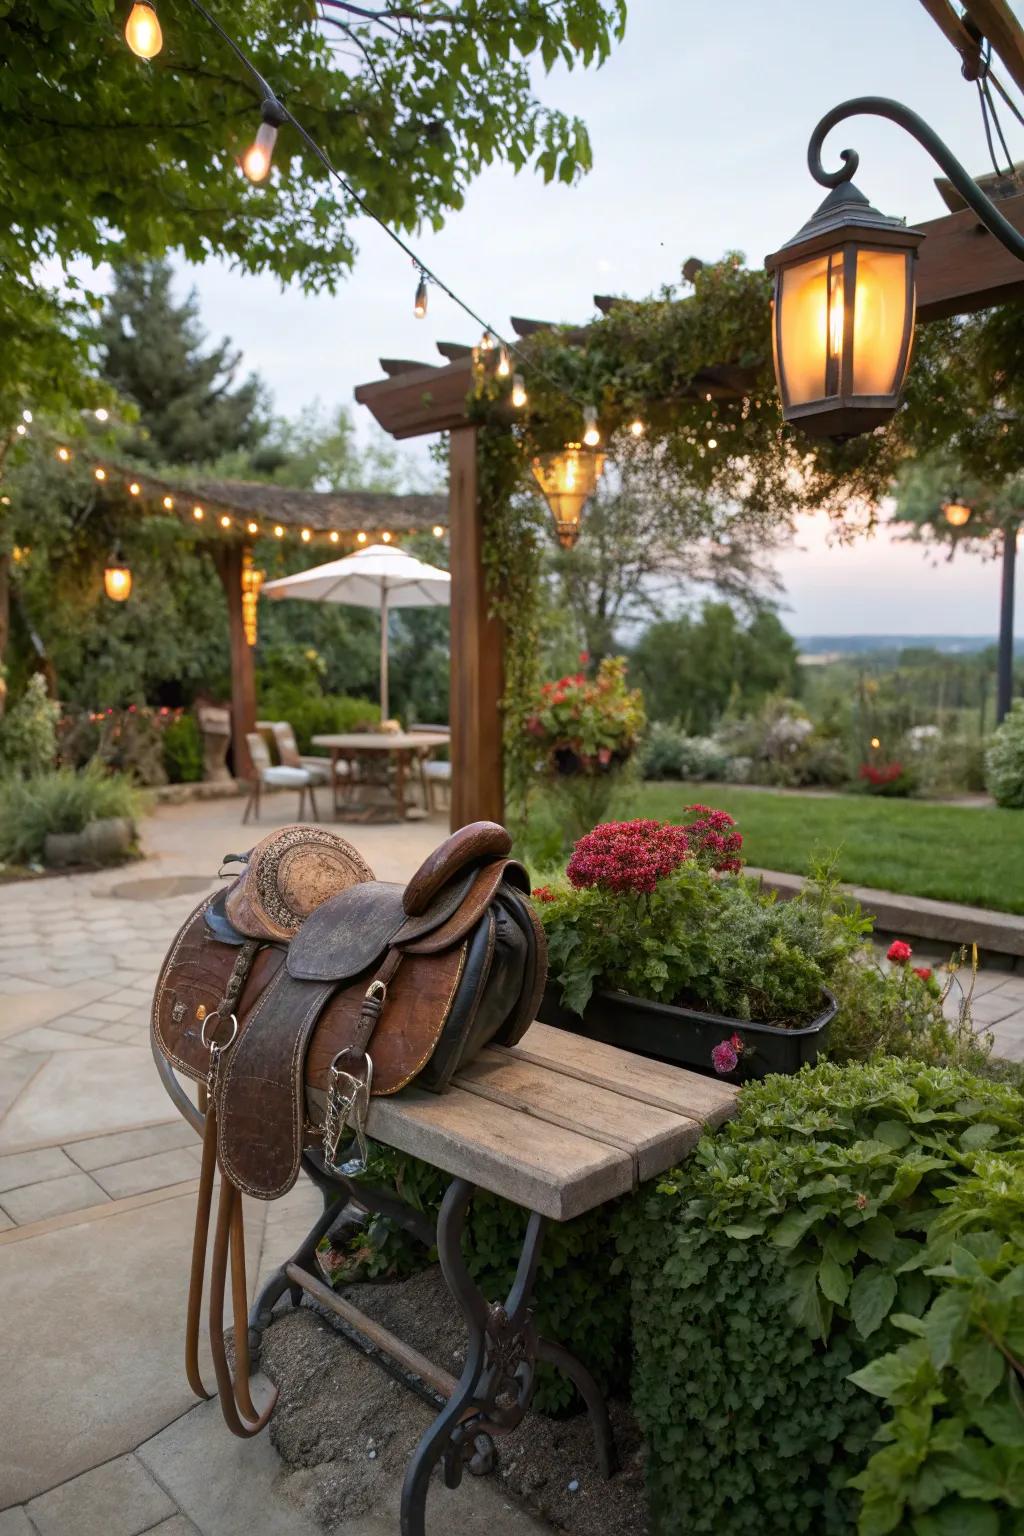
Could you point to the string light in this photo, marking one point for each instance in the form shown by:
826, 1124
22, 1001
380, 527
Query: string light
334, 535
278, 531
5, 501
225, 521
712, 442
101, 413
64, 454
386, 538
518, 391
198, 513
591, 434
27, 416
21, 429
257, 158
360, 538
100, 474
504, 365
875, 742
438, 531
168, 503
637, 427
252, 527
419, 307
134, 488
486, 342
305, 535
142, 30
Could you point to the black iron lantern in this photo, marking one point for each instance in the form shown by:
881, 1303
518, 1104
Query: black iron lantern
843, 318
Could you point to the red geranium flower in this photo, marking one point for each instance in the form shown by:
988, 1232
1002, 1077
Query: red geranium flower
899, 952
543, 893
924, 971
627, 855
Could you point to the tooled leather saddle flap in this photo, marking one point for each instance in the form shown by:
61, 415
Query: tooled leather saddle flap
348, 933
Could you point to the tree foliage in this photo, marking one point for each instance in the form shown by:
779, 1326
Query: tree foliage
106, 156
693, 669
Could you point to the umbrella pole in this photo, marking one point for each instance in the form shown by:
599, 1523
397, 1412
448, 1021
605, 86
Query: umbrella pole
384, 652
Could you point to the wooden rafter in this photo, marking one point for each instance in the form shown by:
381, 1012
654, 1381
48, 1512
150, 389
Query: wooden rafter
951, 24
995, 21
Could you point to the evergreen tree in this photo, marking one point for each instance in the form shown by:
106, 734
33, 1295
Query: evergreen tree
154, 352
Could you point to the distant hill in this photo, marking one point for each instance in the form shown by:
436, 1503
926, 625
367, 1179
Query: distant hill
821, 646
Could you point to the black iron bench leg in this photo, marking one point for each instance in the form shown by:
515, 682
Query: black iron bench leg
494, 1390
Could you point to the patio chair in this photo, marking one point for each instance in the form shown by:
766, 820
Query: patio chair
275, 776
290, 756
435, 773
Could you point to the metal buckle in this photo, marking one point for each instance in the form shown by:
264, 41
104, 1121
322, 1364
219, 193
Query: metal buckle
347, 1106
216, 1051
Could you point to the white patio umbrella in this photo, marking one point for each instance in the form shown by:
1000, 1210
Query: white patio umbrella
376, 577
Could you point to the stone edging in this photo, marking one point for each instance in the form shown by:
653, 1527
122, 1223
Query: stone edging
918, 917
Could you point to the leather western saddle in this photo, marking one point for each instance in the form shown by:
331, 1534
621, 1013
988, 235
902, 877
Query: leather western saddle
304, 989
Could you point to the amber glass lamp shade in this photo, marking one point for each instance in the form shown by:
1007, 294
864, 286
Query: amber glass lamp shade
568, 479
117, 578
142, 31
843, 316
956, 512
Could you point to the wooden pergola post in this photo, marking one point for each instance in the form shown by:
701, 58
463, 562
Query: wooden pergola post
477, 651
229, 558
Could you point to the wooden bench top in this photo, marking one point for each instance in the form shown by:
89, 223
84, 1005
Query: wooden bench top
558, 1124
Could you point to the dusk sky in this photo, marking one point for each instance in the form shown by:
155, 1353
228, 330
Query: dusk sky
699, 124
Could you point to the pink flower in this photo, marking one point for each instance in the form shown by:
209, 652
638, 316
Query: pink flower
724, 1057
924, 971
899, 952
862, 1201
627, 855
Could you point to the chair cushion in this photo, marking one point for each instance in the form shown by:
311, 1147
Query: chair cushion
287, 778
435, 770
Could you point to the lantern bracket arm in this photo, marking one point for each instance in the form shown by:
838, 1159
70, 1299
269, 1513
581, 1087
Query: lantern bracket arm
906, 118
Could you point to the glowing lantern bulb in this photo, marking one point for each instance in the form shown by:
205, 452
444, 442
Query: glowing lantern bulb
591, 433
117, 578
142, 31
956, 513
257, 158
504, 365
636, 427
419, 307
438, 531
518, 392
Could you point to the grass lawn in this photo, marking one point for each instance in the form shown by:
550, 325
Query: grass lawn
944, 851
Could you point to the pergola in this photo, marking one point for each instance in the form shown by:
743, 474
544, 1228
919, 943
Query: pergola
237, 513
961, 268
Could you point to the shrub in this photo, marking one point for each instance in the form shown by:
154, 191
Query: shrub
668, 753
1004, 761
888, 1010
28, 732
63, 800
315, 715
775, 1278
183, 750
893, 779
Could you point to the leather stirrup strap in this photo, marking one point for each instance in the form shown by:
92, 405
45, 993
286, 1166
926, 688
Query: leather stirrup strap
232, 1393
200, 1240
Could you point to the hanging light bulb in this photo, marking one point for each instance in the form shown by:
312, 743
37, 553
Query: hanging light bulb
134, 488
168, 503
519, 396
419, 307
21, 429
225, 521
117, 577
360, 538
64, 454
142, 30
305, 535
252, 527
278, 531
100, 474
385, 538
438, 531
198, 513
636, 427
591, 433
486, 342
27, 416
956, 512
334, 535
257, 158
101, 413
504, 364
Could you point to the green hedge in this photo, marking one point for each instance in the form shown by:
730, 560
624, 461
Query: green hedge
854, 1236
324, 715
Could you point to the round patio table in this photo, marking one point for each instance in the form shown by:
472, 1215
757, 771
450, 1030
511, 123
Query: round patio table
403, 746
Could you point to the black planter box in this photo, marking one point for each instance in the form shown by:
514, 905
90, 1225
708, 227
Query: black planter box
684, 1037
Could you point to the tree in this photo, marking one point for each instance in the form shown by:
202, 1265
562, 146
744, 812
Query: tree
106, 156
694, 670
152, 353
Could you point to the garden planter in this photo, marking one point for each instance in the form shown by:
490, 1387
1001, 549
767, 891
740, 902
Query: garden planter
685, 1037
105, 841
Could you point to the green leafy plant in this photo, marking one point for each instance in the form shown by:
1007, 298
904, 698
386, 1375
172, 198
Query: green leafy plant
318, 714
1004, 761
587, 725
898, 1010
63, 800
837, 1213
668, 752
28, 731
183, 750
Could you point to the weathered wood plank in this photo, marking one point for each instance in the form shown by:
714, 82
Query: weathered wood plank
539, 1166
654, 1138
687, 1093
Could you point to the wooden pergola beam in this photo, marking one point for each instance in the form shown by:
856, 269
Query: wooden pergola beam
961, 267
995, 20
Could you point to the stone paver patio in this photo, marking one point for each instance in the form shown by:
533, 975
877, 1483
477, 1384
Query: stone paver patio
102, 1436
98, 1174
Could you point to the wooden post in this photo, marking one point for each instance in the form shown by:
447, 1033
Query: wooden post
477, 652
228, 559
